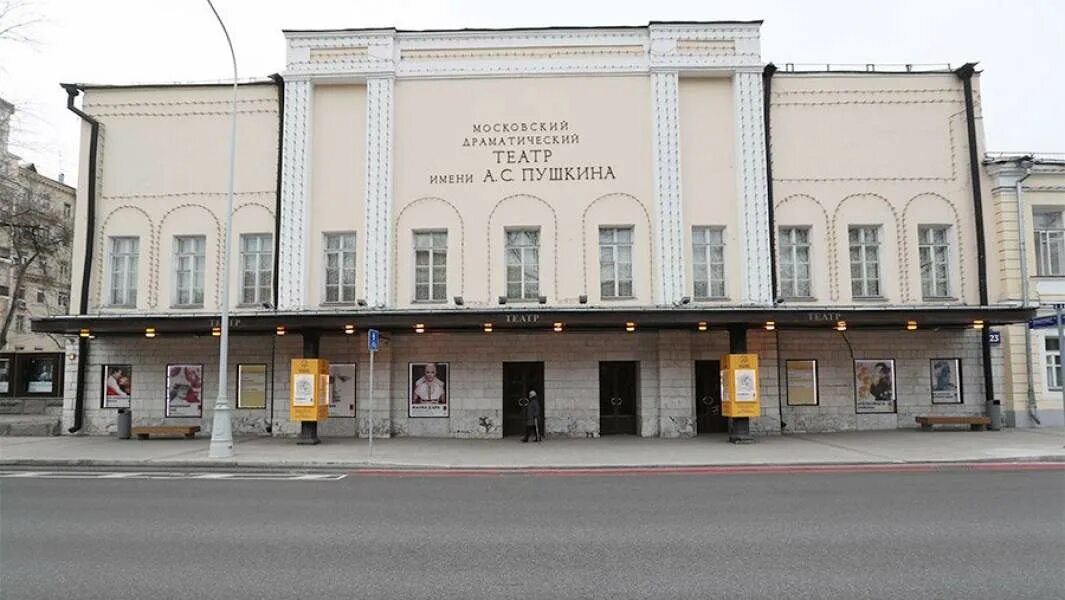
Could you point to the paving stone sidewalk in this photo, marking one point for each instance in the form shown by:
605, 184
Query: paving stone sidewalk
879, 447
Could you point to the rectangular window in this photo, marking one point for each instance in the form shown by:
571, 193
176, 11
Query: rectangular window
1049, 243
1053, 354
615, 262
340, 267
523, 264
189, 254
124, 254
66, 210
795, 262
20, 293
41, 297
20, 324
4, 290
64, 272
934, 249
708, 250
865, 261
63, 300
430, 266
256, 268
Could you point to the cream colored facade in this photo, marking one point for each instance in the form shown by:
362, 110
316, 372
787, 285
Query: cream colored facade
570, 134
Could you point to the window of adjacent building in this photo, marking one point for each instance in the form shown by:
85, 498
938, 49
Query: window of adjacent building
64, 271
523, 263
20, 324
66, 210
123, 289
934, 249
615, 262
795, 262
189, 254
20, 293
5, 290
708, 250
63, 300
430, 266
256, 267
40, 297
865, 261
1053, 354
340, 267
1049, 242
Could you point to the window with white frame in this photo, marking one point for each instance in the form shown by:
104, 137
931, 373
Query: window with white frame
189, 252
934, 254
123, 288
20, 324
1053, 363
522, 253
340, 267
795, 262
708, 265
615, 262
865, 261
256, 268
1049, 225
430, 266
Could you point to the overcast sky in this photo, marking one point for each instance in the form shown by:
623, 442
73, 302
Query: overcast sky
1019, 44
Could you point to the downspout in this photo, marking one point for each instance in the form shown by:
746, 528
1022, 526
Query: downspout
90, 228
280, 83
767, 87
965, 73
1033, 408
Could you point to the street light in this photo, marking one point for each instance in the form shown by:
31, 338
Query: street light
222, 426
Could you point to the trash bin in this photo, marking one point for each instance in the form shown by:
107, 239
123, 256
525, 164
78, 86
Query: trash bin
994, 412
125, 423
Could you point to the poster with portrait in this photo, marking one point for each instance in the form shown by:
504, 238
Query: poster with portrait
117, 386
40, 375
5, 375
341, 389
874, 385
428, 391
946, 380
251, 385
801, 376
184, 390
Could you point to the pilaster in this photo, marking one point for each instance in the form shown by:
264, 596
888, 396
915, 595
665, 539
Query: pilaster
378, 234
665, 106
752, 187
295, 186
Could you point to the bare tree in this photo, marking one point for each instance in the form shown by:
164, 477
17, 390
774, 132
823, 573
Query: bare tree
17, 20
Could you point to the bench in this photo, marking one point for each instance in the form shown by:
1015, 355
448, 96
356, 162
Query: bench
975, 423
143, 431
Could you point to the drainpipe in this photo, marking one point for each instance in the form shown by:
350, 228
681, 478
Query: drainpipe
280, 83
90, 228
767, 88
1033, 410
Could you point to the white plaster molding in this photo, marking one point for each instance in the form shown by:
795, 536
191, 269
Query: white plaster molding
377, 230
669, 249
295, 183
752, 186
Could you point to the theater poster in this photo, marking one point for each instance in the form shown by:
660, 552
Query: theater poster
801, 377
874, 385
118, 386
428, 390
184, 390
946, 380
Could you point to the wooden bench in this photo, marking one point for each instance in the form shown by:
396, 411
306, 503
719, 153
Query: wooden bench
975, 423
143, 431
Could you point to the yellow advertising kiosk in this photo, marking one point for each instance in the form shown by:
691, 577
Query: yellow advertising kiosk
739, 386
309, 394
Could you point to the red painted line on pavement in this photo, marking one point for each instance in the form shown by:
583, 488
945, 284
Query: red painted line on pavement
711, 470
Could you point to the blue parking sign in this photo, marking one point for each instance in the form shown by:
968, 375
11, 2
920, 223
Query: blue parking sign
373, 339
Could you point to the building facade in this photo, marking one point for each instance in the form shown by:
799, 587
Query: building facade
597, 215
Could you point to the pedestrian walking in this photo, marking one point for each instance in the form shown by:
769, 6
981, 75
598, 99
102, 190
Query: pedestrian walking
532, 417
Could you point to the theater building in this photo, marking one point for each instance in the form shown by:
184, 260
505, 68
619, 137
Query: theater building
596, 214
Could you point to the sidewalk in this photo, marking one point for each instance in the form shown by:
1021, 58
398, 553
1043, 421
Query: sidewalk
873, 447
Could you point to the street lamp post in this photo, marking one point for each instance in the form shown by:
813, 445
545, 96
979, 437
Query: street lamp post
222, 427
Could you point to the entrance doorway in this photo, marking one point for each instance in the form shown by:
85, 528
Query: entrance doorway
617, 397
518, 379
708, 417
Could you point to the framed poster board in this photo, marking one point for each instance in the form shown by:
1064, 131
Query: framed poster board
117, 386
5, 375
184, 390
801, 378
251, 385
39, 374
874, 386
427, 390
342, 389
946, 380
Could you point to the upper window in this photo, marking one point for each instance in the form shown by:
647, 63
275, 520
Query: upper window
41, 297
708, 250
865, 261
615, 262
1049, 242
123, 288
430, 266
795, 262
1053, 354
934, 247
256, 267
340, 267
189, 252
66, 210
523, 264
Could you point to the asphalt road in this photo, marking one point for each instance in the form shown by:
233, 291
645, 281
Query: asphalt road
957, 534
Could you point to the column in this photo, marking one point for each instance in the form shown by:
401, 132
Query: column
739, 428
309, 429
295, 186
752, 188
377, 234
669, 249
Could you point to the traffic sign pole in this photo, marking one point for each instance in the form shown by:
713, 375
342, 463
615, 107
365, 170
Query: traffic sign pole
373, 338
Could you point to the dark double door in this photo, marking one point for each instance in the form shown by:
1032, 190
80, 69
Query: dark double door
518, 379
708, 417
617, 397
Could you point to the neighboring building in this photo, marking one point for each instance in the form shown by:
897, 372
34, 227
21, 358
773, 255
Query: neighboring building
588, 213
1035, 226
31, 364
